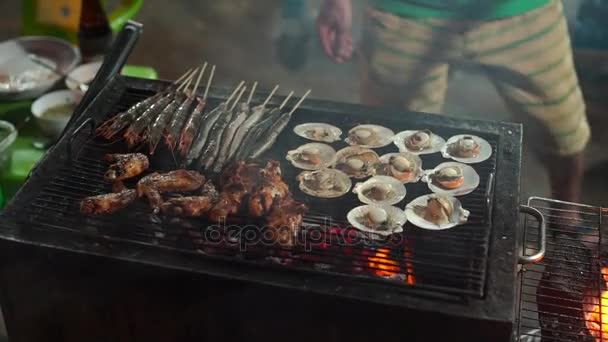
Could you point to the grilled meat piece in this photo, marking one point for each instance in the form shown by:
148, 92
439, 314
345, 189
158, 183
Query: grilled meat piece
174, 181
107, 203
272, 188
229, 202
284, 221
191, 206
125, 166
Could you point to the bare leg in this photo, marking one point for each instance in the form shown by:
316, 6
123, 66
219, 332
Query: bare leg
566, 176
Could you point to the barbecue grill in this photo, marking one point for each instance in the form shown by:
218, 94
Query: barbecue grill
466, 274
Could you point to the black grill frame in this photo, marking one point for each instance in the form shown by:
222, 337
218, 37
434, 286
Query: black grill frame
497, 305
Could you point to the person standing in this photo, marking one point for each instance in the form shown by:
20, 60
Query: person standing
523, 46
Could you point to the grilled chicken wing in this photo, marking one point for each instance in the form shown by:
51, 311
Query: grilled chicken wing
271, 188
155, 184
125, 166
191, 206
107, 203
284, 221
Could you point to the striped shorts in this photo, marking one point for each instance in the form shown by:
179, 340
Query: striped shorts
527, 57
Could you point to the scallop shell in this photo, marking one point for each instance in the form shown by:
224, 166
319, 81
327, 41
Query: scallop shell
471, 180
437, 143
485, 151
397, 219
383, 168
459, 215
330, 133
396, 190
307, 178
381, 136
326, 156
368, 157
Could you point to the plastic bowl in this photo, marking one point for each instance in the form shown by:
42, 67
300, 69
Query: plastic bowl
53, 127
84, 73
60, 52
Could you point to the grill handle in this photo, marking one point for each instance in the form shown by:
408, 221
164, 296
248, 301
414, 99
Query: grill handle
113, 62
542, 244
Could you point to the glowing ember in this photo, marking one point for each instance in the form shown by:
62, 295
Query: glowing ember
385, 267
382, 264
596, 314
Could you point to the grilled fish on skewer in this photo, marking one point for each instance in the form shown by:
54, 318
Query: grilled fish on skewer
125, 166
276, 129
107, 203
207, 122
256, 115
209, 153
154, 184
256, 132
117, 123
193, 124
228, 136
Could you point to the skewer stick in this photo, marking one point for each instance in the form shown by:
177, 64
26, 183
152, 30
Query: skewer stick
255, 84
299, 102
234, 92
182, 77
238, 98
209, 82
187, 81
286, 99
274, 90
198, 80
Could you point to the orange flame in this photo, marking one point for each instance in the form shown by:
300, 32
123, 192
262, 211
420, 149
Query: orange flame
596, 314
385, 267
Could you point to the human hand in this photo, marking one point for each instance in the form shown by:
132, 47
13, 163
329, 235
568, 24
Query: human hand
334, 26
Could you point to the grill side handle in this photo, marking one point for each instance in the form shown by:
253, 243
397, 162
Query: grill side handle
113, 62
542, 243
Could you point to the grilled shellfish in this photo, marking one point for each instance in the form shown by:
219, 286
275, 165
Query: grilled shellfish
380, 220
404, 166
370, 136
418, 142
326, 183
316, 131
313, 156
468, 149
436, 212
356, 161
451, 178
380, 190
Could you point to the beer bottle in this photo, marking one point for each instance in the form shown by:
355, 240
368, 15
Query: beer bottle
94, 34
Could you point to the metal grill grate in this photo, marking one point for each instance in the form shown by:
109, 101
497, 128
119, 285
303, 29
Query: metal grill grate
560, 296
451, 262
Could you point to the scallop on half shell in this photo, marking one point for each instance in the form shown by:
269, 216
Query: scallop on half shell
418, 142
380, 220
326, 183
370, 136
357, 162
436, 212
313, 156
466, 148
380, 190
317, 131
404, 166
451, 178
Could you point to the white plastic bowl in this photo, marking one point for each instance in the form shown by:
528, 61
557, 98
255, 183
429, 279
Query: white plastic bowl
6, 143
84, 73
53, 127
